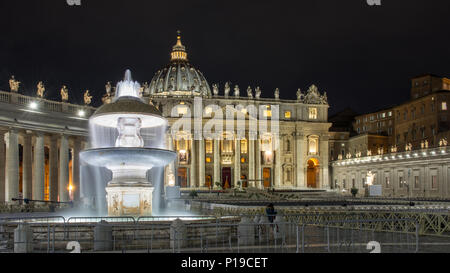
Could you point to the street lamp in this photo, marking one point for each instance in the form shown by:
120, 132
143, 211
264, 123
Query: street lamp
33, 105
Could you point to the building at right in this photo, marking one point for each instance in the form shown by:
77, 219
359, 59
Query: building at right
403, 148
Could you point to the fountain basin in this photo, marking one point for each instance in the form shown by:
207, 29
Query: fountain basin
129, 193
136, 158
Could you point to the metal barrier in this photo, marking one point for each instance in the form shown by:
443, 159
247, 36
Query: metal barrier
431, 223
233, 234
33, 220
171, 218
124, 219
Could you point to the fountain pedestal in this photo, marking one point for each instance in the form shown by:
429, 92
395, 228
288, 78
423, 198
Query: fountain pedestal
129, 200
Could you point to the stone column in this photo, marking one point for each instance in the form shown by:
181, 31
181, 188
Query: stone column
27, 167
251, 159
216, 161
63, 184
258, 172
278, 169
53, 172
300, 157
39, 168
193, 174
201, 163
324, 154
76, 169
12, 166
237, 161
2, 166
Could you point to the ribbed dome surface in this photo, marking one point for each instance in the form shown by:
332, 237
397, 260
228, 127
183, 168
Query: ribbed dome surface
182, 77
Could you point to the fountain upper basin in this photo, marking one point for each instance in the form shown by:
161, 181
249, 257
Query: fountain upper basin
144, 158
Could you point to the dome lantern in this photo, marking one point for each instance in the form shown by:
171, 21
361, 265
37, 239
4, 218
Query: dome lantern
179, 50
179, 77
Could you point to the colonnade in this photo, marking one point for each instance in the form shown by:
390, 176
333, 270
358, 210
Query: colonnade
23, 174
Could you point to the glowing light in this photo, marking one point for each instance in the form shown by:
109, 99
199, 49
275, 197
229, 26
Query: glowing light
268, 153
33, 105
81, 113
70, 188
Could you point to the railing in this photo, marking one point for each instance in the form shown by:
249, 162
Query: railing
53, 106
407, 155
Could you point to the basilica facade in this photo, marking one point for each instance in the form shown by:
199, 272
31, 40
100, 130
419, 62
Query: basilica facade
224, 138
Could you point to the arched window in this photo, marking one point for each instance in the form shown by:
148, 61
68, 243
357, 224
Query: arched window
313, 143
244, 146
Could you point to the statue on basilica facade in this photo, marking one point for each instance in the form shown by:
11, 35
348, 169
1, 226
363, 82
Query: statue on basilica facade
108, 89
325, 98
215, 90
227, 89
146, 88
277, 94
64, 94
237, 91
87, 98
300, 95
40, 90
250, 92
14, 85
258, 92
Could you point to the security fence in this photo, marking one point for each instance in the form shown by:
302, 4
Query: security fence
209, 234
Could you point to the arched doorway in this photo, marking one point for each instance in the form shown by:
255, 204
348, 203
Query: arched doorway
313, 173
244, 181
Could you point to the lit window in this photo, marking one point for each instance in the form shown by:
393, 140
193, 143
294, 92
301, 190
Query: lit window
287, 114
313, 145
444, 106
312, 113
244, 146
267, 113
243, 160
208, 111
227, 146
182, 111
209, 146
208, 160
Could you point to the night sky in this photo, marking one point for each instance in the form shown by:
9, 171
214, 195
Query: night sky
362, 56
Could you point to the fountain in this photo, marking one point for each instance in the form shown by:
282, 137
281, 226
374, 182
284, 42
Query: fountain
116, 131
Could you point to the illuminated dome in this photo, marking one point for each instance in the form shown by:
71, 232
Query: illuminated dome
179, 77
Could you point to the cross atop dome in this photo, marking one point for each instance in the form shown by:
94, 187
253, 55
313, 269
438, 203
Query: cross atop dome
179, 50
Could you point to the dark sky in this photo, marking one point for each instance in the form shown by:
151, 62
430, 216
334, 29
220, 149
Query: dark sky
362, 56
